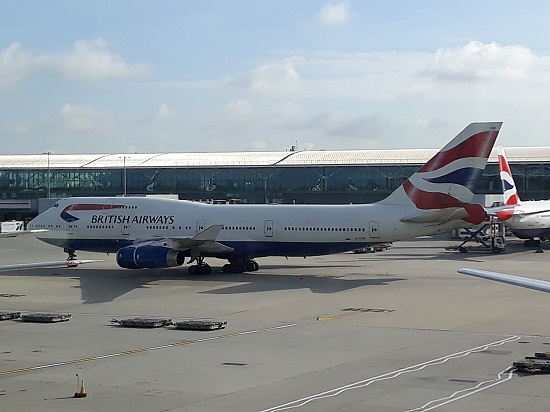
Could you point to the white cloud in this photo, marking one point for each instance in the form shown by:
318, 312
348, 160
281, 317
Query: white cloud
334, 13
89, 60
21, 129
15, 64
481, 61
474, 72
79, 118
238, 109
323, 100
277, 78
163, 112
92, 60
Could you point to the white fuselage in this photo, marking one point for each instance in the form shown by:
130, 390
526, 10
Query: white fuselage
531, 219
107, 224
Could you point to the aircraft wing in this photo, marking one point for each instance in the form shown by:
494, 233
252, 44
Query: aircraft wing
20, 233
60, 263
529, 283
204, 241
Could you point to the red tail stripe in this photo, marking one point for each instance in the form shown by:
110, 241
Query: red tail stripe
504, 165
477, 145
429, 200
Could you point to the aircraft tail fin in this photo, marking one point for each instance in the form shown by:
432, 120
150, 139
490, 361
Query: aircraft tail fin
448, 179
509, 189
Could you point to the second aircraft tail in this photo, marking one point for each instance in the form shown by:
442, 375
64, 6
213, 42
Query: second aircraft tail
509, 189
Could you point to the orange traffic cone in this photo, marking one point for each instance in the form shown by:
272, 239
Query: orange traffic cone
81, 393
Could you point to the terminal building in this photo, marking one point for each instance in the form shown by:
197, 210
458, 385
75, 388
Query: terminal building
319, 177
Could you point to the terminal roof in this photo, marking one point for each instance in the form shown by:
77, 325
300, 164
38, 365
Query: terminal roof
251, 159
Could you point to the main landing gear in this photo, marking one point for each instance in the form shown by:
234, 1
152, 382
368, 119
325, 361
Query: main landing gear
200, 268
240, 266
532, 243
234, 266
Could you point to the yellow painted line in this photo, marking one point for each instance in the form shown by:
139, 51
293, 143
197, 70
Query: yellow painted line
338, 316
353, 311
152, 348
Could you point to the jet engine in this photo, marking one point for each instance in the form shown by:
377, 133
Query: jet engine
148, 257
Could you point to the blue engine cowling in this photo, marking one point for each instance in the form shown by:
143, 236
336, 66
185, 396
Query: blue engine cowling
148, 257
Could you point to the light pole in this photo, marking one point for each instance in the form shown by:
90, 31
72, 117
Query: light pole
124, 162
124, 179
49, 185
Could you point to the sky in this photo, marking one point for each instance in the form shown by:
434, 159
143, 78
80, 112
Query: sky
215, 75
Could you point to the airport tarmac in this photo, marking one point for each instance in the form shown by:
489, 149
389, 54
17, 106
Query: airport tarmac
397, 330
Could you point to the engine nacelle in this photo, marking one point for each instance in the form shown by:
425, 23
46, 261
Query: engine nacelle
148, 257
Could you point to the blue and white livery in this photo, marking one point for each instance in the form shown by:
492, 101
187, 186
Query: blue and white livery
156, 232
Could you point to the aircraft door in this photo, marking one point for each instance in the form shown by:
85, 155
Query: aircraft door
200, 225
268, 230
374, 229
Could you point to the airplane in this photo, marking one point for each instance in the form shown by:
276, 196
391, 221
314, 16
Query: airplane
528, 220
529, 283
147, 232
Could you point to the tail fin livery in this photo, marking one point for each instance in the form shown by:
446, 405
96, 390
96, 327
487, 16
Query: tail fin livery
509, 189
448, 179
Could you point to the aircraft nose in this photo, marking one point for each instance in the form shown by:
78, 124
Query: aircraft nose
32, 224
37, 223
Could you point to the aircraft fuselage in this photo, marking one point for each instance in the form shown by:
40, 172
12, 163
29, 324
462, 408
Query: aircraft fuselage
107, 224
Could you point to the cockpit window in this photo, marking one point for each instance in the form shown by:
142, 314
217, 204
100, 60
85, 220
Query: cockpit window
56, 204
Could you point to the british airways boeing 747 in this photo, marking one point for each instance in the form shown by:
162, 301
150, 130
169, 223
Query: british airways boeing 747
159, 233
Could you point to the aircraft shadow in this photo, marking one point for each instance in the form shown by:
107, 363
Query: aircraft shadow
325, 284
105, 285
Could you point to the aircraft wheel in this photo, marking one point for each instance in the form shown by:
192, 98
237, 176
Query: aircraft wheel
250, 266
192, 270
227, 268
238, 267
462, 249
531, 243
205, 270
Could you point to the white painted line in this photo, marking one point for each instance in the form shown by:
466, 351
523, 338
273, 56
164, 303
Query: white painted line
390, 375
466, 392
152, 348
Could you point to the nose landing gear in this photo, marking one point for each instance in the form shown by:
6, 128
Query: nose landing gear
71, 252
